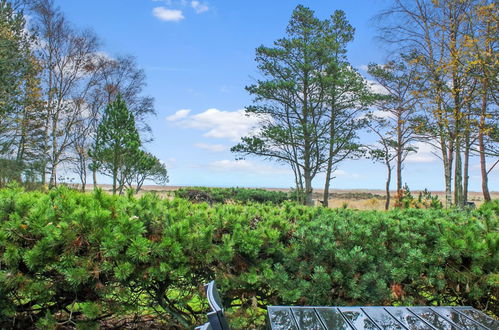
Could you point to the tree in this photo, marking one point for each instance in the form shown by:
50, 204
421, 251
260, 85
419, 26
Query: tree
14, 65
20, 126
117, 143
65, 55
289, 101
146, 167
482, 48
387, 149
345, 98
433, 34
112, 77
397, 109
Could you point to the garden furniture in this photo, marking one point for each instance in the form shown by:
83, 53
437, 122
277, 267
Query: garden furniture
216, 317
357, 318
420, 317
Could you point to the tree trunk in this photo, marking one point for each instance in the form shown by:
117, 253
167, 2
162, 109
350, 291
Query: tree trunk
400, 150
399, 172
448, 185
467, 148
115, 177
298, 184
53, 176
43, 173
325, 197
481, 146
388, 179
94, 177
55, 160
308, 188
84, 178
447, 160
466, 172
458, 176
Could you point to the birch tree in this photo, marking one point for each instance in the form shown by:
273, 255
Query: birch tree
65, 54
397, 109
433, 33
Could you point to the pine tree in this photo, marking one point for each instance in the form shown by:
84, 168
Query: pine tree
20, 115
117, 143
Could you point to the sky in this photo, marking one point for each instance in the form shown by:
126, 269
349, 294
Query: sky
198, 57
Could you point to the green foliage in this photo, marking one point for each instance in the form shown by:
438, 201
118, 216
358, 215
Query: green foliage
146, 166
224, 195
117, 143
309, 99
14, 58
405, 200
21, 117
425, 200
99, 256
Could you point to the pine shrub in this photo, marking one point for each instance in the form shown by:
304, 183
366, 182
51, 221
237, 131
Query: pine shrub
84, 259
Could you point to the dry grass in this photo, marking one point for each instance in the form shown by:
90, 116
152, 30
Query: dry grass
361, 199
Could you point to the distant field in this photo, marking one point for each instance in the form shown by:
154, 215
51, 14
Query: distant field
362, 199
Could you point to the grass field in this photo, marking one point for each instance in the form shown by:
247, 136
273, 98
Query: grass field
361, 199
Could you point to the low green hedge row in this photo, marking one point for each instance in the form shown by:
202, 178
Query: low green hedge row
224, 195
83, 259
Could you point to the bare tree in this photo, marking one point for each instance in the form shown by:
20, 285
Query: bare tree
434, 34
397, 108
64, 54
386, 149
483, 57
113, 77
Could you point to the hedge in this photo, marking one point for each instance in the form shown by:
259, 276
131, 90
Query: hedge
238, 195
86, 259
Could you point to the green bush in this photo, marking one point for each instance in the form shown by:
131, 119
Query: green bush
224, 195
83, 259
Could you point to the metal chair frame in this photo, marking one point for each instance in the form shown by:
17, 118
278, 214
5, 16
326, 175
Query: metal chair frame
216, 317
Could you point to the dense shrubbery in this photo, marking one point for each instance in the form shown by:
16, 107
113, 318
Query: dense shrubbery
85, 258
224, 195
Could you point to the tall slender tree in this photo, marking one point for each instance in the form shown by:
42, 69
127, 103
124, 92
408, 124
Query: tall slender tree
346, 97
397, 109
434, 34
19, 94
482, 45
385, 149
64, 54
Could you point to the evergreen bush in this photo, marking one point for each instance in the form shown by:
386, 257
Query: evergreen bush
83, 259
238, 195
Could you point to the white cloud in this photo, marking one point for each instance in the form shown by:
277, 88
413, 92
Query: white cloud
170, 15
246, 166
426, 154
212, 147
363, 67
199, 7
383, 114
376, 87
179, 115
218, 124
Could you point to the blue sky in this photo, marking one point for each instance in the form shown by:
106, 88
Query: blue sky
199, 55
